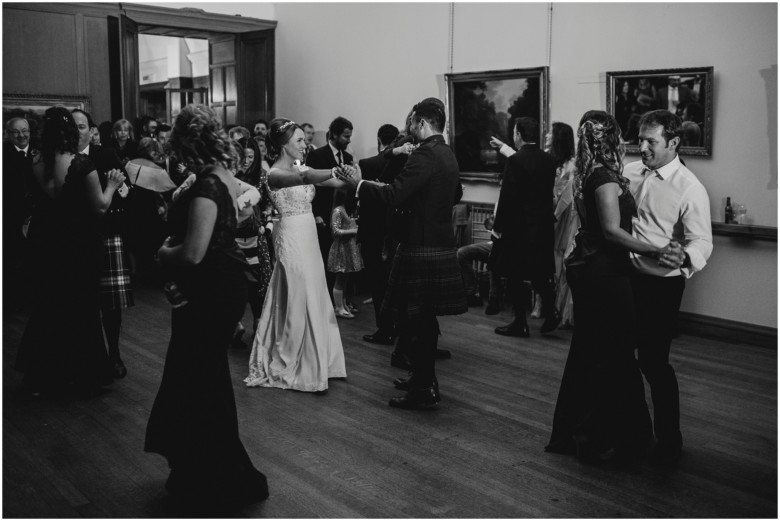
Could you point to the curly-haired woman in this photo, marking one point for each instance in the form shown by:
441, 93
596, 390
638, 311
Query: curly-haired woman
193, 422
601, 410
63, 342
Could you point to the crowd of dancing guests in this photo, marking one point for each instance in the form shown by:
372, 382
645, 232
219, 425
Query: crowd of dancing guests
226, 216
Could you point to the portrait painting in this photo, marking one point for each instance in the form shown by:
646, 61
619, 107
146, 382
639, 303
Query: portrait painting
484, 105
686, 92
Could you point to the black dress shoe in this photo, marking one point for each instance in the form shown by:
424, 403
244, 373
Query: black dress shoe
400, 360
405, 384
473, 300
425, 398
666, 454
492, 308
513, 329
379, 338
551, 321
442, 354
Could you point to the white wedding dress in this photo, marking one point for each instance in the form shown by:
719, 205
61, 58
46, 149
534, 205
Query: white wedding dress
297, 344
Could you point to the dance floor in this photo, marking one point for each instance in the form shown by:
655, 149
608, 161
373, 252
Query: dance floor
348, 455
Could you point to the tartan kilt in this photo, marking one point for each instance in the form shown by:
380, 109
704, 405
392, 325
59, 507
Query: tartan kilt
424, 276
115, 289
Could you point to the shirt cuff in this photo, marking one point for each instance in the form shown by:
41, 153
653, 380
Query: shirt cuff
506, 150
697, 263
357, 189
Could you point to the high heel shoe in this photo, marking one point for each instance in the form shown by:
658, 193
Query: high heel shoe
343, 313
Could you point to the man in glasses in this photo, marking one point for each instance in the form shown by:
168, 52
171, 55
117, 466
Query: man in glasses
17, 206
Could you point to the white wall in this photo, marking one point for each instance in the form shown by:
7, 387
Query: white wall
371, 62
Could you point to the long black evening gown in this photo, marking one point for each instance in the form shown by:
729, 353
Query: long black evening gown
193, 422
601, 407
63, 343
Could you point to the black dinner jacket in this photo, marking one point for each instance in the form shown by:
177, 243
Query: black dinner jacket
322, 159
17, 187
427, 187
373, 213
525, 206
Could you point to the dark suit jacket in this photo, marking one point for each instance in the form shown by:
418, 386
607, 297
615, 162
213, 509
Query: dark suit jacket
373, 213
427, 187
17, 191
322, 158
525, 213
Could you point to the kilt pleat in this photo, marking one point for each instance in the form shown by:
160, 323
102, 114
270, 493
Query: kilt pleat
115, 289
425, 277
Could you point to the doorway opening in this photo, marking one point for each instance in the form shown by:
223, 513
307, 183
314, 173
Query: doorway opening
172, 72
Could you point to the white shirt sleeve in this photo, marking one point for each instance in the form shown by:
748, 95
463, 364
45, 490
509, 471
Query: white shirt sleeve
697, 227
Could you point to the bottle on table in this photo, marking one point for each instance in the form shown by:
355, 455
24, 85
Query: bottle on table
729, 212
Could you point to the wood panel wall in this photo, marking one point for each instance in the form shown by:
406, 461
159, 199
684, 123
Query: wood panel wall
57, 49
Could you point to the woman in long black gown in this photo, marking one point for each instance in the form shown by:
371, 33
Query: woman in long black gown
601, 410
62, 346
193, 422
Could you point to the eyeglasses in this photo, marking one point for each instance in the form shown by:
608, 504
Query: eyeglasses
26, 132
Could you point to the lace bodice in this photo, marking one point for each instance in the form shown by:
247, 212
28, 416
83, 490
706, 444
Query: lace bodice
293, 200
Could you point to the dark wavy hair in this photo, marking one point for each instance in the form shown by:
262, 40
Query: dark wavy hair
60, 135
252, 174
280, 132
198, 140
600, 143
562, 143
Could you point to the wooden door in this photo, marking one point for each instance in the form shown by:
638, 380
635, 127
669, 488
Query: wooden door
128, 54
255, 76
222, 82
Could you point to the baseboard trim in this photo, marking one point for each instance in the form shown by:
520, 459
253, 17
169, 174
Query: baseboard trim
727, 330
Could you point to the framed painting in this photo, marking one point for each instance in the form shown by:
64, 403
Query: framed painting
686, 92
32, 107
484, 105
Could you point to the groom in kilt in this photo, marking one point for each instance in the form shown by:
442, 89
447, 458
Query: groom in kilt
425, 279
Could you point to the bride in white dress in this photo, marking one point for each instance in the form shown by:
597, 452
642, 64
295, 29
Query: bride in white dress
297, 344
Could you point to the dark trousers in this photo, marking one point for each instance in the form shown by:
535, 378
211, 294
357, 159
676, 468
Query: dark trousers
418, 338
325, 238
657, 305
377, 272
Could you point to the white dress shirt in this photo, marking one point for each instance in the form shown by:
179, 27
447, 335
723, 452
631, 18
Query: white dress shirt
26, 150
671, 204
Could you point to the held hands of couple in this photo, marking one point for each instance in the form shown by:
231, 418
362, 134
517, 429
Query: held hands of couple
350, 174
672, 255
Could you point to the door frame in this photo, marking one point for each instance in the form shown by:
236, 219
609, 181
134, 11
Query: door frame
187, 22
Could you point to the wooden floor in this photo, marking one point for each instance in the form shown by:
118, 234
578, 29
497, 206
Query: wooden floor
348, 455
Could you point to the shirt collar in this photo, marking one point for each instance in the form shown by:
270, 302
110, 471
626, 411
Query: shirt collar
336, 151
25, 149
85, 151
669, 168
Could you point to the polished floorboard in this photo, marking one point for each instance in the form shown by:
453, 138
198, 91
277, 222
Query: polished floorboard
348, 455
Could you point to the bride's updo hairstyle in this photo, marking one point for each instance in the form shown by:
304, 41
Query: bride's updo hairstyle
279, 133
198, 140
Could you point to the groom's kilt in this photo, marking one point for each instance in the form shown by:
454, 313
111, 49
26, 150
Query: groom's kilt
425, 276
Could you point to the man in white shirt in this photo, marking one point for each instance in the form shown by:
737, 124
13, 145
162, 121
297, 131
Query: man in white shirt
671, 205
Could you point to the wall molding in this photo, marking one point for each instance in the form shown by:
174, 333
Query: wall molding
727, 330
